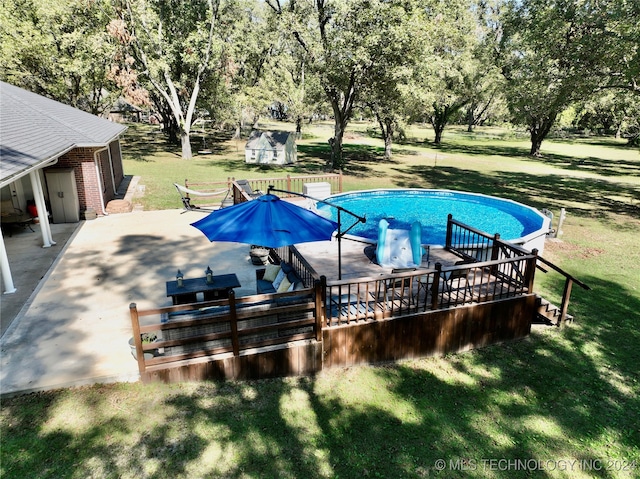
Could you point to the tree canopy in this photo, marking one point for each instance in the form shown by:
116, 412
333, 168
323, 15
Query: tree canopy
231, 61
60, 50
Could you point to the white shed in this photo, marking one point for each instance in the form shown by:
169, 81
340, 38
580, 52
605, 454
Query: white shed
271, 147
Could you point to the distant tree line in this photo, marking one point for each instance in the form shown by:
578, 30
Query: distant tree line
533, 63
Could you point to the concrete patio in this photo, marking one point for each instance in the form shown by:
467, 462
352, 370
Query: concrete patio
72, 327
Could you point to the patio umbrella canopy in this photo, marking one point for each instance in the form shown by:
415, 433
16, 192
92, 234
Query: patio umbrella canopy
266, 221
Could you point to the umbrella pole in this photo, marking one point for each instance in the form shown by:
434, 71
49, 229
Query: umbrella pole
359, 219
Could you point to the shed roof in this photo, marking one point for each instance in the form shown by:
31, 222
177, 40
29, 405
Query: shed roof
35, 129
276, 139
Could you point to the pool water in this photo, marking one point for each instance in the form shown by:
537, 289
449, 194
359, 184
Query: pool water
401, 207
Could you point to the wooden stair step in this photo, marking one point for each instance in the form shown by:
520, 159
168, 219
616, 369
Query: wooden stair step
549, 313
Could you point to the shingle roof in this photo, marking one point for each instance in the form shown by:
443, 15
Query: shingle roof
277, 139
35, 129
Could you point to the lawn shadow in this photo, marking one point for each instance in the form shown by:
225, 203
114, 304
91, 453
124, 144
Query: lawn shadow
587, 196
597, 166
548, 397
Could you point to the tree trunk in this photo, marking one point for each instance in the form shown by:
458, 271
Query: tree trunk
439, 120
536, 143
438, 131
471, 120
388, 138
336, 147
185, 140
539, 128
299, 127
386, 128
341, 122
171, 129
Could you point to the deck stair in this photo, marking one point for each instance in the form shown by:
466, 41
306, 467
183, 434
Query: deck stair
549, 314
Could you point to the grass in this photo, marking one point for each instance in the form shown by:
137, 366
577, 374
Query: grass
558, 397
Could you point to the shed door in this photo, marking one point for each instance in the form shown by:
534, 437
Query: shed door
63, 195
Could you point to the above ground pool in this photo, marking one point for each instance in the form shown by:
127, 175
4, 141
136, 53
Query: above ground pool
401, 207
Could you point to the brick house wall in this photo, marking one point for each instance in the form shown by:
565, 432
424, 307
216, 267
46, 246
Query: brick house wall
116, 160
91, 189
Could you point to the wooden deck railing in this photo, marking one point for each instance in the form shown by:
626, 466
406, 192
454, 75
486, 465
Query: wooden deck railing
232, 325
188, 333
400, 294
288, 183
296, 183
473, 244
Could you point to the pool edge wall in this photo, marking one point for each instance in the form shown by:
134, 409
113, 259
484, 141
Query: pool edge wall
534, 240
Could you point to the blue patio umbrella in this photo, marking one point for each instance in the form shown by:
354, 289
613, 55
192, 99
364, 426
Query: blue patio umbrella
266, 221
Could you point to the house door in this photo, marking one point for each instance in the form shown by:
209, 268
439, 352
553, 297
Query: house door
13, 196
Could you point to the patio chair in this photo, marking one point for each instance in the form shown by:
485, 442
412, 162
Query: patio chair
246, 188
457, 280
399, 289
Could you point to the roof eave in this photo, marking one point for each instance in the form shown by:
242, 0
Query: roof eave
100, 145
37, 166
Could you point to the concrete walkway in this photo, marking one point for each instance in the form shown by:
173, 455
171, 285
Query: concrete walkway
75, 328
29, 262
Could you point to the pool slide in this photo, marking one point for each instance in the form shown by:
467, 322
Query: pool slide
399, 248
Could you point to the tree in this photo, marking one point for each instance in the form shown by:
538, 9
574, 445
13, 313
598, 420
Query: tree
171, 44
340, 42
550, 60
251, 36
486, 83
444, 78
293, 87
385, 91
619, 62
59, 50
616, 111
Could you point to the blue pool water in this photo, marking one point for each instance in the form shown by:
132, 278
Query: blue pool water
401, 207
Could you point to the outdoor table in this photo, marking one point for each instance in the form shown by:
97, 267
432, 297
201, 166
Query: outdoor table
218, 288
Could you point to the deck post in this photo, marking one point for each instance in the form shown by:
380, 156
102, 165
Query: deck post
530, 272
435, 286
447, 242
320, 287
495, 253
565, 301
137, 339
233, 319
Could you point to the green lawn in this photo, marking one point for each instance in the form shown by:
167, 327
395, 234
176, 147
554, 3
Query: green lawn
562, 403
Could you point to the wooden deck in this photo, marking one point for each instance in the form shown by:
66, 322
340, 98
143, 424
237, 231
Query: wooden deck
436, 309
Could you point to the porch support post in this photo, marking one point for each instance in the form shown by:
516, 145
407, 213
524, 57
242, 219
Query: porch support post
43, 217
7, 279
